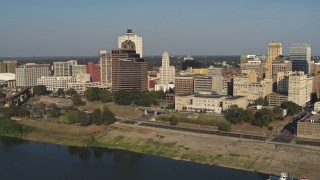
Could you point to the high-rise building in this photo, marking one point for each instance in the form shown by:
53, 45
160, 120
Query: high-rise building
8, 66
132, 37
167, 72
297, 89
279, 66
129, 71
63, 68
274, 50
94, 71
300, 56
26, 75
105, 68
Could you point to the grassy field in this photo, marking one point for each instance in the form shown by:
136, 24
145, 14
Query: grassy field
121, 112
214, 120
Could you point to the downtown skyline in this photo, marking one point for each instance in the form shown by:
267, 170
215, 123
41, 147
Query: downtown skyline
82, 28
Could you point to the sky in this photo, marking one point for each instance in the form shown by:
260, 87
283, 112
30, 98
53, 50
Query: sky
196, 27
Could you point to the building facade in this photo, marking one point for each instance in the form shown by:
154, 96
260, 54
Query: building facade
167, 72
183, 85
26, 75
105, 68
94, 71
63, 68
297, 88
300, 56
202, 84
8, 66
78, 69
129, 71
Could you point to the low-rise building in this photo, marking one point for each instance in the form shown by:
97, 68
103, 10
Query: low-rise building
276, 99
183, 85
240, 101
309, 128
208, 102
316, 106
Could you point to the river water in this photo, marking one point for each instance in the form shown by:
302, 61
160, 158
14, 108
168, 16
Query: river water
26, 160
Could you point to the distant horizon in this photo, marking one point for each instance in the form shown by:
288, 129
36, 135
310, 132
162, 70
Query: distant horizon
38, 28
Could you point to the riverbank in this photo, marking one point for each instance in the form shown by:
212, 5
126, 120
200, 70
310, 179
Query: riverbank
208, 149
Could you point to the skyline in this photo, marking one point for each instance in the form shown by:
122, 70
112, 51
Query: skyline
82, 28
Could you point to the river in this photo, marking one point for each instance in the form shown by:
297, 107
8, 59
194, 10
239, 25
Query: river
26, 160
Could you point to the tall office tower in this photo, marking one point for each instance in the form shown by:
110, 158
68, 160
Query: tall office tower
274, 50
94, 71
63, 68
132, 37
26, 75
297, 88
300, 55
167, 72
129, 71
105, 68
8, 66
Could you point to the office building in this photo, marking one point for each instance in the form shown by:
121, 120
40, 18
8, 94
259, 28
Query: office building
297, 88
94, 71
202, 84
105, 68
63, 68
134, 38
78, 69
26, 75
183, 85
190, 63
276, 99
8, 66
167, 72
222, 85
253, 62
300, 56
129, 71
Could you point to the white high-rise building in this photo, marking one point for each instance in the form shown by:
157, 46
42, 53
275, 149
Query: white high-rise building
167, 72
297, 88
63, 68
105, 68
133, 37
26, 75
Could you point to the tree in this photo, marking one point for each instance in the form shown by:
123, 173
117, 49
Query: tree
224, 126
40, 90
107, 116
263, 118
123, 97
105, 95
71, 117
71, 92
232, 114
261, 101
245, 115
96, 117
76, 99
84, 119
277, 112
292, 107
2, 95
60, 92
173, 120
170, 106
92, 94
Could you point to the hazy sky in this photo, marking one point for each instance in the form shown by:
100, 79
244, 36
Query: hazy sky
196, 27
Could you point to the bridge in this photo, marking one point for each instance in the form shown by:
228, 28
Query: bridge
18, 98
